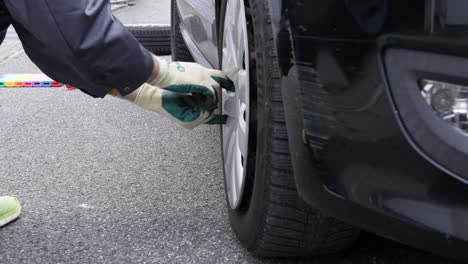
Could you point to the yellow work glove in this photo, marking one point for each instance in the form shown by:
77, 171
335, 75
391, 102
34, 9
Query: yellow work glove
185, 92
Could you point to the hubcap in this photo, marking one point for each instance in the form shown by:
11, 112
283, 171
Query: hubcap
236, 104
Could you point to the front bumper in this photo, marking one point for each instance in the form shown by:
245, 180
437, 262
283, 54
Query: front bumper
351, 154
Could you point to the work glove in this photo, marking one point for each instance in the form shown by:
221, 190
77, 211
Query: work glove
188, 93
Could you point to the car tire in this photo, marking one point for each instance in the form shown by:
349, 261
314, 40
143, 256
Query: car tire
179, 49
155, 38
272, 220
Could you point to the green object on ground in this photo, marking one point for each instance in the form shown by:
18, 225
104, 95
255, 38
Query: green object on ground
10, 209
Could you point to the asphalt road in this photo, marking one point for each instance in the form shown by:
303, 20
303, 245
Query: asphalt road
102, 181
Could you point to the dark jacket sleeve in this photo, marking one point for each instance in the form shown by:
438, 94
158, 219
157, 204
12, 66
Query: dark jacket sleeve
80, 42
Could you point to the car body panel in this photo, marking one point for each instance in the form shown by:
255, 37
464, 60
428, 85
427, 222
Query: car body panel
350, 156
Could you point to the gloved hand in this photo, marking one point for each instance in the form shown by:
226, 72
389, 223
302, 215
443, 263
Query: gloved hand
186, 92
188, 106
181, 75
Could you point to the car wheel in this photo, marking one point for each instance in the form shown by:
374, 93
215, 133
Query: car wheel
265, 211
179, 49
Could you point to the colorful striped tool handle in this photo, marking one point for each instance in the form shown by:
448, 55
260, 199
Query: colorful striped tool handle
27, 81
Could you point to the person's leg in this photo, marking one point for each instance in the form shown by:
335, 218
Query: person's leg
10, 209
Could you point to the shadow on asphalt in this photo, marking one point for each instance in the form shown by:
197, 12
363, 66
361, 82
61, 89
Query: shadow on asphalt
371, 249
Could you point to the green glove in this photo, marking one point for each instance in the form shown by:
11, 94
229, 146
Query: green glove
189, 94
189, 108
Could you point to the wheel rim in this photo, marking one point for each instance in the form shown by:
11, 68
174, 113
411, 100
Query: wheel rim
236, 104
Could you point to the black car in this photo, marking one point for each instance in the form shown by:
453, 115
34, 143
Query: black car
348, 115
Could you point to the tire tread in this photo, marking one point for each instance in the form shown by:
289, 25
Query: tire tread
156, 39
290, 227
180, 52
